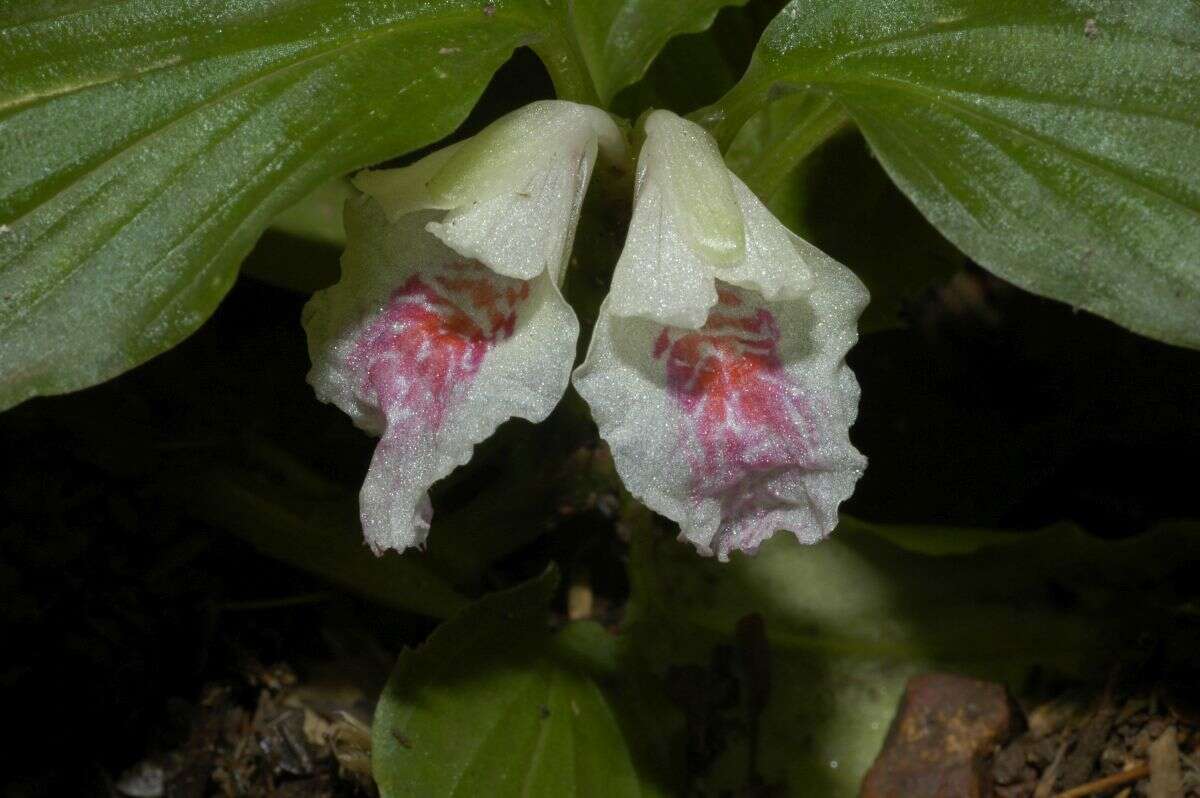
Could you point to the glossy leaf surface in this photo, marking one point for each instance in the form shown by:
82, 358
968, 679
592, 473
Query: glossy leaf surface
1055, 142
496, 704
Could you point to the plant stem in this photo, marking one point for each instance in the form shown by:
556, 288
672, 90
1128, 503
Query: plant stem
728, 115
1107, 783
565, 63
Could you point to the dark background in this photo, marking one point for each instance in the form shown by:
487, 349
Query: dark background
120, 596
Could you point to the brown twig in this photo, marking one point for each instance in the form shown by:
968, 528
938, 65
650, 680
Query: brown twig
1107, 783
1046, 784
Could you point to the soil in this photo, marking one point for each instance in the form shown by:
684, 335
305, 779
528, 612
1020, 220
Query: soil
1145, 745
957, 737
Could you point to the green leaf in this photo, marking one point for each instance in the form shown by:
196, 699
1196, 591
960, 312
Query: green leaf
696, 69
145, 146
620, 38
848, 620
496, 704
837, 192
1055, 142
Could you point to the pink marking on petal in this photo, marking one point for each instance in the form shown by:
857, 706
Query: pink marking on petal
661, 343
748, 427
415, 360
420, 354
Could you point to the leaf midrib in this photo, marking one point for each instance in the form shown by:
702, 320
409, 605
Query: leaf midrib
528, 680
818, 71
975, 25
543, 732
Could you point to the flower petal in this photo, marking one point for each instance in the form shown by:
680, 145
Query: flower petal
777, 261
695, 222
503, 155
406, 190
739, 428
527, 230
449, 319
719, 380
513, 191
682, 157
659, 275
433, 351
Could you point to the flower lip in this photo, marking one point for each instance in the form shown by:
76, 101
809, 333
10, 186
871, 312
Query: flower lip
720, 383
449, 318
418, 360
739, 428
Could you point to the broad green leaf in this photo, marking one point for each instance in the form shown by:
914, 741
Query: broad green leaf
937, 540
497, 704
620, 38
690, 72
1056, 142
847, 621
696, 69
835, 194
144, 146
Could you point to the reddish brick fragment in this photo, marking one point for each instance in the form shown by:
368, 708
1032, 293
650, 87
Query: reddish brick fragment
942, 739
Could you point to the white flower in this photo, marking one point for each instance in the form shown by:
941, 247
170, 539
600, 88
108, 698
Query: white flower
716, 371
448, 319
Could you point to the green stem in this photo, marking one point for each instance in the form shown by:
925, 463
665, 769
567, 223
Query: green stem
728, 115
817, 119
568, 69
825, 117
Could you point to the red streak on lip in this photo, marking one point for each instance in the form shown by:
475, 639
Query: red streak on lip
745, 416
419, 355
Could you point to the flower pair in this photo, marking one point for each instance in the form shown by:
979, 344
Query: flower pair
715, 372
